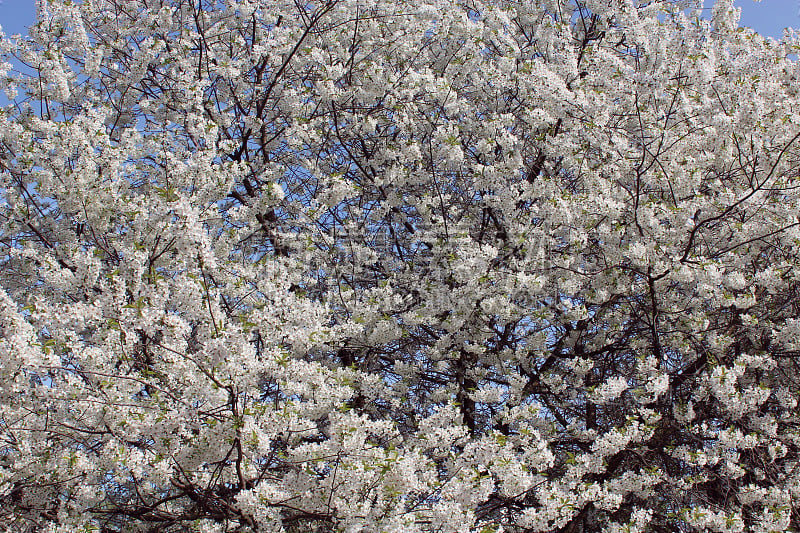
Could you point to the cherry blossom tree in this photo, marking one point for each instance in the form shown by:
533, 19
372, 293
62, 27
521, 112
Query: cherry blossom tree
446, 266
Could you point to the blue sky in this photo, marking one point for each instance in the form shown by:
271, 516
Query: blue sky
768, 17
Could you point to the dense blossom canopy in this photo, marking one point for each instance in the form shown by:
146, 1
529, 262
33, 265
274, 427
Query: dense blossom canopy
407, 265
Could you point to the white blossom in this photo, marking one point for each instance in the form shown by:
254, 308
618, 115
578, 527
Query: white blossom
398, 266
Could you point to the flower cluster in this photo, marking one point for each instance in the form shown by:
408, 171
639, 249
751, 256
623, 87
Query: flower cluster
402, 266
